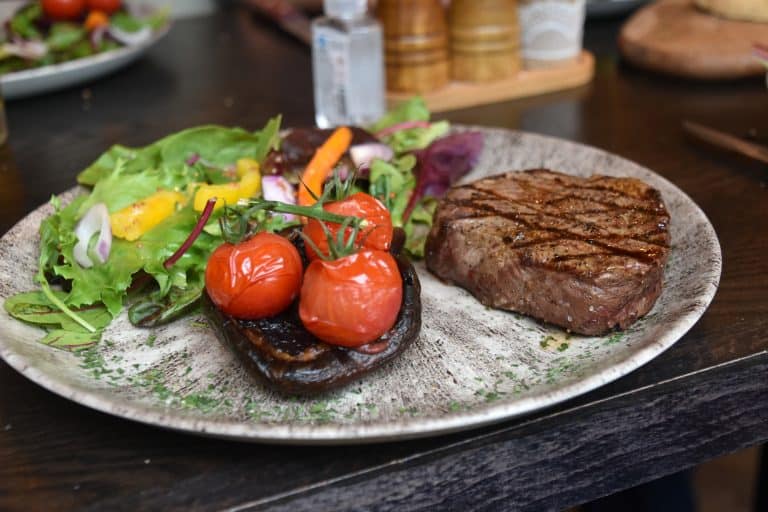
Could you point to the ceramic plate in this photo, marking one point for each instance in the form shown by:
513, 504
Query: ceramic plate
30, 82
471, 365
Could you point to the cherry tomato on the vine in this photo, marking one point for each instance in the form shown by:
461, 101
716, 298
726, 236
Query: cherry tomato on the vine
107, 6
64, 9
377, 235
254, 279
353, 300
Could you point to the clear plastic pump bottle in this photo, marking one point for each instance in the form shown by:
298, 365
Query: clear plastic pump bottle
347, 65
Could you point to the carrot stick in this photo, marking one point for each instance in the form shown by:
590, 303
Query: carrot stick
321, 165
95, 20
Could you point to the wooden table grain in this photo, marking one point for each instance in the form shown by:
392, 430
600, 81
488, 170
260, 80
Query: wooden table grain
705, 397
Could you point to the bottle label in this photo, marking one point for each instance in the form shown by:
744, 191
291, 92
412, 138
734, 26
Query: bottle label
331, 62
551, 29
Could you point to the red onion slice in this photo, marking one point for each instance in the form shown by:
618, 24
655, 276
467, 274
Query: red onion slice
96, 37
363, 154
277, 188
30, 50
96, 219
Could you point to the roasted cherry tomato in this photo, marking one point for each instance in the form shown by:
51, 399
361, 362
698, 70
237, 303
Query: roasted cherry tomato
378, 235
353, 300
254, 279
64, 9
107, 6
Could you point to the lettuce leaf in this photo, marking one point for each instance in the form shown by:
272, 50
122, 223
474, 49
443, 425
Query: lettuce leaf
134, 160
414, 139
108, 283
104, 283
215, 145
120, 189
218, 146
64, 36
127, 23
23, 22
34, 307
418, 225
410, 139
392, 183
413, 109
61, 331
156, 309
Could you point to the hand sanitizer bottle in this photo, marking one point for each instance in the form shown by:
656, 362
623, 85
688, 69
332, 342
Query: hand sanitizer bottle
347, 65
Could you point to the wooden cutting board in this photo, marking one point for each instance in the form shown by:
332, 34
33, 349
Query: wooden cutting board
673, 36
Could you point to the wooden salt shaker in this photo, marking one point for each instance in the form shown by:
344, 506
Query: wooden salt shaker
485, 40
415, 44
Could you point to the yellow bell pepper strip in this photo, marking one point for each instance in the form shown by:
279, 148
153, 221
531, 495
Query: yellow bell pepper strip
225, 193
321, 165
228, 193
246, 165
250, 184
136, 219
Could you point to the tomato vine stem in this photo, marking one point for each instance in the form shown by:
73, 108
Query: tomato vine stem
314, 212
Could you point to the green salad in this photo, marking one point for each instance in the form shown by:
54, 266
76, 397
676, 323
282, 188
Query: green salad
44, 33
140, 237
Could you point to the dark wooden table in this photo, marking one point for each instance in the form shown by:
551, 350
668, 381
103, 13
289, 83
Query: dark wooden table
706, 396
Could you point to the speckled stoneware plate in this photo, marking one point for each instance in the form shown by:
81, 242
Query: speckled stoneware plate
30, 82
471, 366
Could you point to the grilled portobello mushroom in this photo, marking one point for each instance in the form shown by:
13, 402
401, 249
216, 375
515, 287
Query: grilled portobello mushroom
280, 352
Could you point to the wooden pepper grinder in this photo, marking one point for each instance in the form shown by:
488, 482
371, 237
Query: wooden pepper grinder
485, 40
415, 44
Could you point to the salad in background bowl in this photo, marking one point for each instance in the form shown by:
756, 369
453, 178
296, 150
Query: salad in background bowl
51, 44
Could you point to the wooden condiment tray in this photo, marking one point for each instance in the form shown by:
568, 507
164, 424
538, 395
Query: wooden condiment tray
526, 83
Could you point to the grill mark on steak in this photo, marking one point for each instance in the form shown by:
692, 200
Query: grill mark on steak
587, 198
644, 256
541, 200
573, 182
571, 215
605, 204
583, 253
539, 195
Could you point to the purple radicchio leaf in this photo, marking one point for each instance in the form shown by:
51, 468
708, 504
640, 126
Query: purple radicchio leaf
443, 163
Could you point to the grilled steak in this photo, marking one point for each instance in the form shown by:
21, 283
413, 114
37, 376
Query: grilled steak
586, 254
